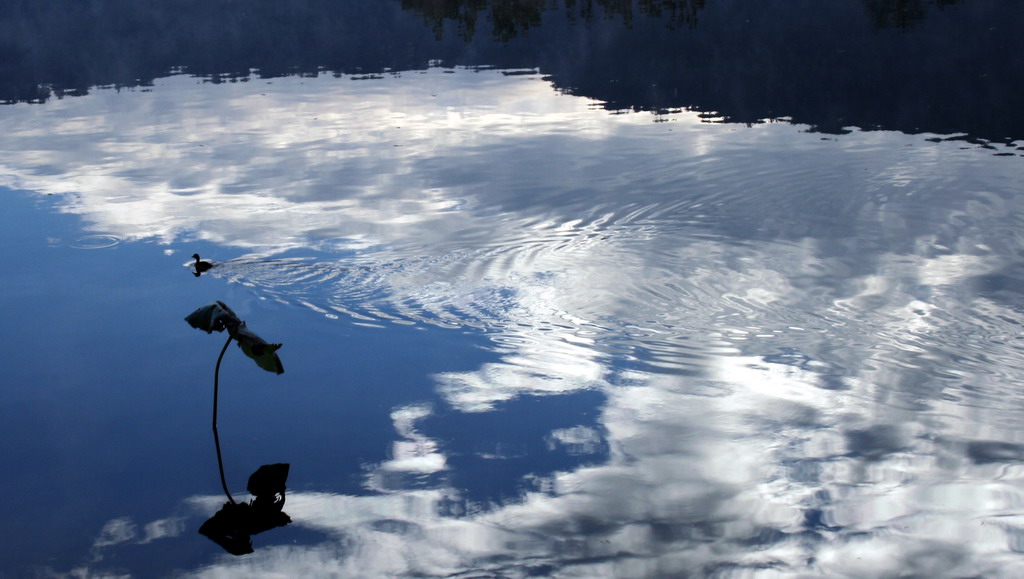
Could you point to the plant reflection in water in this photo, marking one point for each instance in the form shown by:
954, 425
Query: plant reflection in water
234, 524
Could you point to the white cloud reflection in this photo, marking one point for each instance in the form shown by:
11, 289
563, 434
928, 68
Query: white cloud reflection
274, 165
694, 486
769, 318
413, 456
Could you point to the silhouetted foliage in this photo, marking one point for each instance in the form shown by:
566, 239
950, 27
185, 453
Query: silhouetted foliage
218, 317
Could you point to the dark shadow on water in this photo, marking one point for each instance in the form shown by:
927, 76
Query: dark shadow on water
995, 451
875, 442
1003, 286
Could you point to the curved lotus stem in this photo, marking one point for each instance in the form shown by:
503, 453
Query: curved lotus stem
218, 317
216, 438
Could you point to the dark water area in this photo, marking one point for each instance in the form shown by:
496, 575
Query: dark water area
915, 66
562, 289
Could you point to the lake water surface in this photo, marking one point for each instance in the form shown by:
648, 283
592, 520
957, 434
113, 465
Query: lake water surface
536, 321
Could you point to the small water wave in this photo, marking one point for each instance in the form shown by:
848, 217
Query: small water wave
98, 241
539, 282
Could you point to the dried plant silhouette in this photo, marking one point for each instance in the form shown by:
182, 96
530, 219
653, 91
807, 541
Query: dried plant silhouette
232, 526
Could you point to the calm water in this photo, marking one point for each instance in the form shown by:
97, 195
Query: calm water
568, 291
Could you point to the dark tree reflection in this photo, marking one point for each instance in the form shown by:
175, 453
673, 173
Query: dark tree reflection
509, 18
672, 12
901, 13
512, 18
928, 69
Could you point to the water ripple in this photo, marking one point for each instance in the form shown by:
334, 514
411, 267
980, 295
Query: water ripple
666, 286
95, 242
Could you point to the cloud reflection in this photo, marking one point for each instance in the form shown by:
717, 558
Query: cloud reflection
274, 165
693, 487
413, 458
781, 329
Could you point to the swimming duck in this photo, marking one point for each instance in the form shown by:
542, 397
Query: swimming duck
200, 266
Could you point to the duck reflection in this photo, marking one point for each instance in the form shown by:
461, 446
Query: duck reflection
233, 526
200, 267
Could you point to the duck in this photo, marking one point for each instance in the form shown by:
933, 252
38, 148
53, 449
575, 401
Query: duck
200, 265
